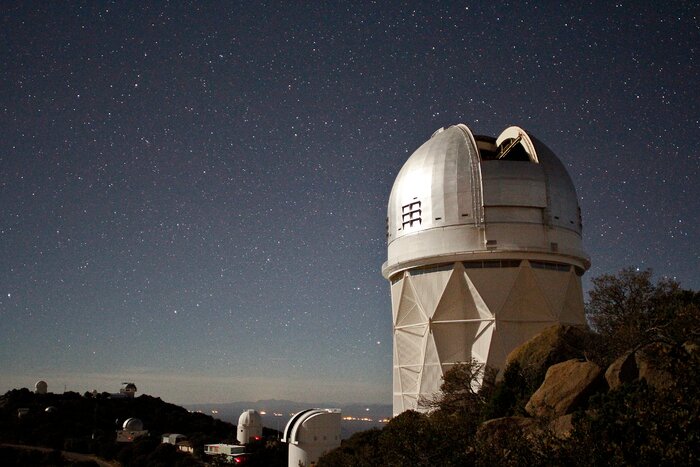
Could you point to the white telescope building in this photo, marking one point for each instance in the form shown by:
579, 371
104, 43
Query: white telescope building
249, 426
311, 433
484, 252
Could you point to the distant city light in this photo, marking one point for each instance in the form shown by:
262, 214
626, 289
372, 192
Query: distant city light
350, 418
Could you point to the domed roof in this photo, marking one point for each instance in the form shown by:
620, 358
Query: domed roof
303, 425
250, 417
41, 387
458, 181
133, 424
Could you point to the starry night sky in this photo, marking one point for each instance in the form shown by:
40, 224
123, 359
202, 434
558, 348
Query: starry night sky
193, 195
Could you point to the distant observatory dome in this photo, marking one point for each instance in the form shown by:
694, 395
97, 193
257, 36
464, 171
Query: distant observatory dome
249, 426
41, 387
484, 251
128, 389
50, 409
310, 434
133, 424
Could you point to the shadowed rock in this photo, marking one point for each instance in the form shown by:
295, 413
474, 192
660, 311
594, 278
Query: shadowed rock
621, 371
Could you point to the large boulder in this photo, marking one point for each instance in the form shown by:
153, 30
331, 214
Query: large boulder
553, 345
566, 385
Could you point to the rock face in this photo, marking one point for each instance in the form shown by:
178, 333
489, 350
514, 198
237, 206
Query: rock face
565, 386
553, 345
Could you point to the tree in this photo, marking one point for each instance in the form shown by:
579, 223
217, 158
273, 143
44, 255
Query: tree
464, 390
639, 425
408, 439
628, 310
457, 410
511, 393
267, 453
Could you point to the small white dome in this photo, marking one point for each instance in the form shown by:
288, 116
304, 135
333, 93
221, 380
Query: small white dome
249, 426
41, 387
250, 417
133, 424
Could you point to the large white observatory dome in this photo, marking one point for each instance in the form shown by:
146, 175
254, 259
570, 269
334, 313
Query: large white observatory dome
478, 196
484, 251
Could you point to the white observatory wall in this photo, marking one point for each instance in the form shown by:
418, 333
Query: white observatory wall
246, 432
453, 314
298, 456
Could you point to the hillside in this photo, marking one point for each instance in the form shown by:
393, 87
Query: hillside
88, 423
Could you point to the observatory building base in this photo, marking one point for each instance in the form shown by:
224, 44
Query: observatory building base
473, 310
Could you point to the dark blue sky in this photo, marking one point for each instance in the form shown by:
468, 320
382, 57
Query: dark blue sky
193, 195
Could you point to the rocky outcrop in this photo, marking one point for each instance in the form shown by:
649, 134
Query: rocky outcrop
569, 381
566, 385
553, 345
